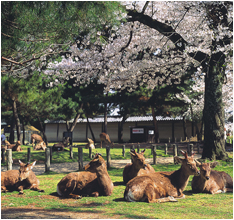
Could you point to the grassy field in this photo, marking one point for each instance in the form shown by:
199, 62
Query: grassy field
194, 206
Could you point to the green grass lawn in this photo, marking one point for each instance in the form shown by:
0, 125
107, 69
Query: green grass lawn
194, 206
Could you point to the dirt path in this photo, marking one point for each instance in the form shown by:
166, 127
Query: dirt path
71, 167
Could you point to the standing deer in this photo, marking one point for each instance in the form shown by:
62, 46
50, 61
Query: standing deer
211, 181
94, 181
162, 186
24, 178
38, 139
138, 167
105, 138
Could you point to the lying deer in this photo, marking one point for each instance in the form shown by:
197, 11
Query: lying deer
15, 147
137, 167
38, 139
211, 181
58, 147
24, 178
40, 146
90, 144
162, 186
94, 181
105, 138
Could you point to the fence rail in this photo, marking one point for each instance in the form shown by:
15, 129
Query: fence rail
168, 147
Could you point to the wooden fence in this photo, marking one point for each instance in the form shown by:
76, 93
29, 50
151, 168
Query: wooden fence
175, 147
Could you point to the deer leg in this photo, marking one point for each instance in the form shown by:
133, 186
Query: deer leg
3, 189
95, 194
20, 189
36, 188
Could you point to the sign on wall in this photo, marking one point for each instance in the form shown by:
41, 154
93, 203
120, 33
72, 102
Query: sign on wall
138, 130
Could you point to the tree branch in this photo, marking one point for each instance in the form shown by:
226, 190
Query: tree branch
167, 31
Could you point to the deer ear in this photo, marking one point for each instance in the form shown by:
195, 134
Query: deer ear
33, 164
184, 153
177, 160
213, 164
21, 163
143, 151
198, 164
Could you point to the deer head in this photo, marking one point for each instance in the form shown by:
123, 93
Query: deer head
25, 169
97, 163
205, 169
188, 164
138, 159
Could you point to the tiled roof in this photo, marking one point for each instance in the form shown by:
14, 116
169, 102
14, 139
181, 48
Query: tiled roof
119, 119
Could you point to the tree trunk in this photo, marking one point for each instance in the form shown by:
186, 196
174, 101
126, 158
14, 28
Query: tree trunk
12, 133
185, 128
105, 115
42, 129
120, 129
17, 121
90, 129
155, 125
214, 143
73, 125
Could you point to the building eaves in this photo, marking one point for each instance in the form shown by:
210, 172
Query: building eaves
117, 119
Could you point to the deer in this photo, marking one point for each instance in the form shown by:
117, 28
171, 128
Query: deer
24, 178
105, 138
94, 181
38, 139
15, 147
40, 146
137, 167
58, 147
211, 181
162, 186
90, 144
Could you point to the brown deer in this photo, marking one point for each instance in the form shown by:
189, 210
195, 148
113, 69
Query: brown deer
90, 144
94, 181
24, 178
40, 146
137, 167
162, 186
105, 138
38, 139
15, 147
58, 147
211, 181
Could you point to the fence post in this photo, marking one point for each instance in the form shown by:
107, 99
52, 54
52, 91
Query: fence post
188, 149
174, 151
90, 153
9, 159
29, 154
191, 148
198, 148
108, 157
132, 147
3, 155
47, 159
123, 152
166, 149
80, 158
71, 152
154, 154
